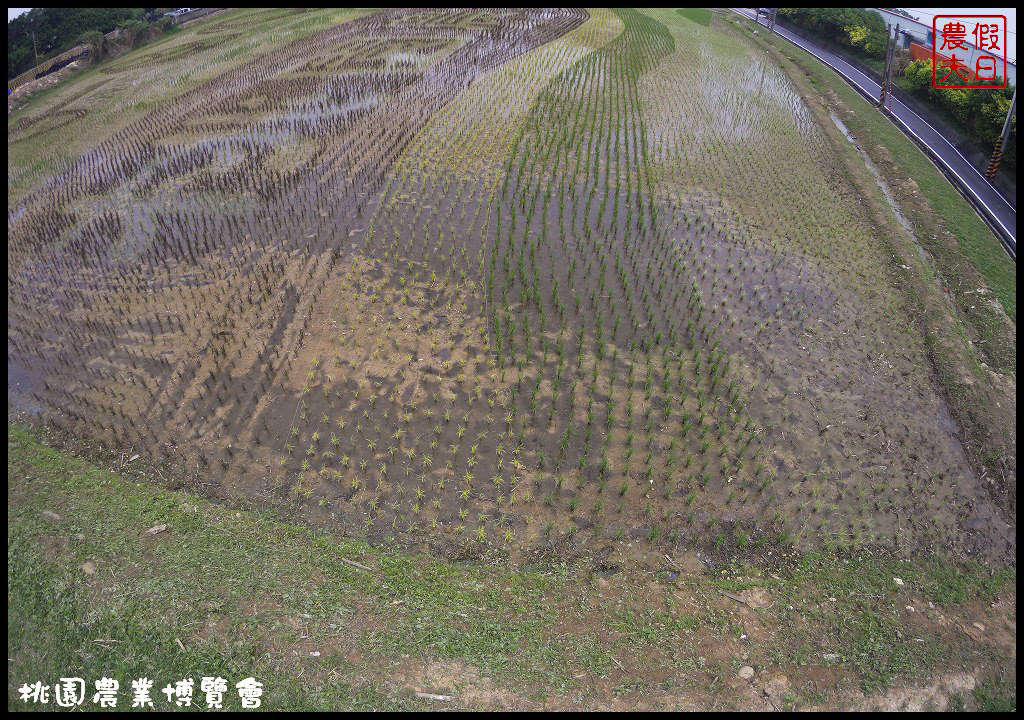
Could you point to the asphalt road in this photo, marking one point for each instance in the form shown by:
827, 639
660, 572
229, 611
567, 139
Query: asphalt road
987, 199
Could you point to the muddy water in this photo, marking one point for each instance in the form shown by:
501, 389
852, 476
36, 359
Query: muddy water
882, 184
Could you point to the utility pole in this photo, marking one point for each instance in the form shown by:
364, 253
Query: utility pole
884, 85
892, 62
771, 20
1004, 138
891, 40
885, 72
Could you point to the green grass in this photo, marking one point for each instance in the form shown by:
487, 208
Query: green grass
997, 694
701, 16
240, 593
48, 608
939, 579
866, 635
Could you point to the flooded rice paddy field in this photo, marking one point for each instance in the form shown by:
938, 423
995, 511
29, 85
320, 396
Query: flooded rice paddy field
483, 281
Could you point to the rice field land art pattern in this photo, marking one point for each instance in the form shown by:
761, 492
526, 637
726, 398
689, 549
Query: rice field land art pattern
507, 281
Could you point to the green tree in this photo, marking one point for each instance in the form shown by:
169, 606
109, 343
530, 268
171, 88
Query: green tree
56, 30
860, 30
